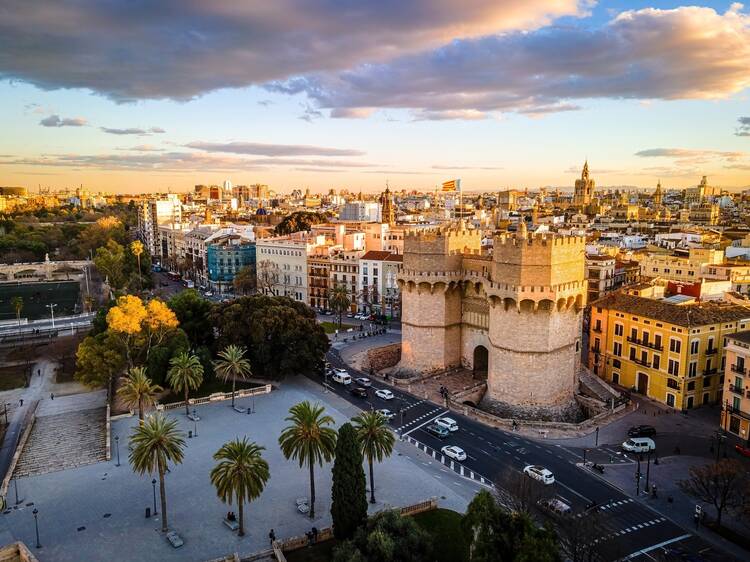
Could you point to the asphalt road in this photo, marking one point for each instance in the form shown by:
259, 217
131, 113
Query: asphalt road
630, 529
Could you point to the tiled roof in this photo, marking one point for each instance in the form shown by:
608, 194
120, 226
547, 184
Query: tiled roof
686, 315
395, 257
375, 255
744, 337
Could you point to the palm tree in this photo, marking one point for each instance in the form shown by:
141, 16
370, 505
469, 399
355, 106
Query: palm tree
185, 374
136, 247
241, 474
232, 364
307, 440
375, 439
153, 444
17, 304
338, 299
138, 391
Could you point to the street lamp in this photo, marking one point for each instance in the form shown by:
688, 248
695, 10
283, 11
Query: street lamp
52, 311
117, 445
597, 437
638, 477
195, 423
153, 485
36, 526
15, 485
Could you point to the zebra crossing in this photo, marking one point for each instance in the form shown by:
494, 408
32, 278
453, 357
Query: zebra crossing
421, 420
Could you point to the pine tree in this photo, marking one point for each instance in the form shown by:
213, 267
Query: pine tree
349, 505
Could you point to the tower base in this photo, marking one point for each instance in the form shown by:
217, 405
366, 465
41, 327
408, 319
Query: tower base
568, 413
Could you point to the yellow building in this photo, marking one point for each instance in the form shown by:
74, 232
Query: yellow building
670, 350
735, 415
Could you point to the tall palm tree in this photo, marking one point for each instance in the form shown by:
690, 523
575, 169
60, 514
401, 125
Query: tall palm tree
232, 364
308, 440
185, 374
375, 440
136, 247
153, 444
17, 304
338, 299
240, 475
138, 391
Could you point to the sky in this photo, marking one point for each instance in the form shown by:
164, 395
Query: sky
133, 96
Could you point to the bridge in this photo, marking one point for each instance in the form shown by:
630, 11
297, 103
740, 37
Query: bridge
46, 270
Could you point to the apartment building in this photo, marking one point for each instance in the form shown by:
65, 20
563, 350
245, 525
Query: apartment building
282, 265
344, 271
670, 350
735, 415
600, 276
318, 277
700, 263
377, 285
154, 213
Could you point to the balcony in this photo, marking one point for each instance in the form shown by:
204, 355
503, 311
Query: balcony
648, 344
641, 362
739, 370
711, 371
596, 330
713, 351
737, 389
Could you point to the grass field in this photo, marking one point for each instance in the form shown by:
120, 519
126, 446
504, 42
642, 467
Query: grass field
331, 327
12, 377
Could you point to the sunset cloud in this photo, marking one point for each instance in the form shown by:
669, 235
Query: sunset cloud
57, 121
133, 131
263, 149
744, 128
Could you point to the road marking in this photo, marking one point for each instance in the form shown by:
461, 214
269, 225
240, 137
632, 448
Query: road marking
655, 546
572, 490
425, 423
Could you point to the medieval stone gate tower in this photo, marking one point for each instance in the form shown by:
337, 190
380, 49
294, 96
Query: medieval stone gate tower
515, 313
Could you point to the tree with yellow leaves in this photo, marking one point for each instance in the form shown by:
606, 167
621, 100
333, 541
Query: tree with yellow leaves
137, 324
159, 322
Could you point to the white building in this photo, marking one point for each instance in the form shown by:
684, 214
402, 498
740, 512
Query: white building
364, 211
281, 265
153, 214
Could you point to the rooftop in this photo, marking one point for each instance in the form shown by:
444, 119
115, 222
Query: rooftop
688, 315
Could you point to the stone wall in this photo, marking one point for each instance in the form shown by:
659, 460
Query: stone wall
380, 358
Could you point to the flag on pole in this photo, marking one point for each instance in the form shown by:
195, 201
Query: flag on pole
452, 185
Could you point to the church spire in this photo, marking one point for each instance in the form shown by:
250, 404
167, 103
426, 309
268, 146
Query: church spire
585, 174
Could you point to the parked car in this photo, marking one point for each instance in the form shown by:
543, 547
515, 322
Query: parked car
642, 431
539, 473
341, 376
384, 394
454, 452
437, 431
359, 392
364, 381
448, 423
639, 445
386, 413
555, 506
744, 451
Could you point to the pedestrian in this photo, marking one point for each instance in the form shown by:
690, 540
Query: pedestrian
39, 372
20, 401
51, 396
272, 536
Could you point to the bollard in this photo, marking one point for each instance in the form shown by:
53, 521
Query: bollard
148, 513
190, 434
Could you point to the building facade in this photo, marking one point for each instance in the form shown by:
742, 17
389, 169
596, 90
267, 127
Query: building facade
515, 315
670, 352
226, 257
735, 415
584, 189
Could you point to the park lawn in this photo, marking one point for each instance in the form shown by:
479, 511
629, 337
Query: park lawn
331, 327
448, 540
12, 377
321, 552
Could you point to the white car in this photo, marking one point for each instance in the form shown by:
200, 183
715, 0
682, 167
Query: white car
386, 413
448, 423
384, 394
454, 452
364, 381
539, 473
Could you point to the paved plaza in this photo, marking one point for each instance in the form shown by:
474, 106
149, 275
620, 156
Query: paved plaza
96, 512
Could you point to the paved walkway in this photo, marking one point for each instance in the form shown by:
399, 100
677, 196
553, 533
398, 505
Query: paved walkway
96, 512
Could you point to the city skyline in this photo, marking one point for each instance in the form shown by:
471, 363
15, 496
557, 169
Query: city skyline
503, 95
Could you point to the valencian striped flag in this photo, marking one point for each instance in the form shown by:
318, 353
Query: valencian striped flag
452, 185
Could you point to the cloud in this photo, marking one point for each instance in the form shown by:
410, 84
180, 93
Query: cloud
447, 167
178, 50
687, 157
310, 113
57, 121
352, 112
143, 148
684, 53
449, 114
576, 169
133, 131
262, 149
744, 129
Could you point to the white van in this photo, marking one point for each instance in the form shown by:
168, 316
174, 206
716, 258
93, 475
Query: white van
639, 445
448, 423
341, 376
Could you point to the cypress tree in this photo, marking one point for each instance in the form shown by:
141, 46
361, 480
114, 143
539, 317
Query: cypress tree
349, 506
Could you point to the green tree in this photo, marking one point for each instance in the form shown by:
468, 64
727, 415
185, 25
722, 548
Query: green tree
17, 304
98, 359
153, 445
388, 536
246, 280
375, 439
282, 336
232, 364
240, 475
109, 260
157, 362
185, 374
194, 315
349, 491
497, 535
308, 440
299, 220
338, 300
138, 391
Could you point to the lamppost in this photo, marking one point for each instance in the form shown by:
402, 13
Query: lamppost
596, 444
15, 485
648, 468
195, 423
36, 526
117, 445
638, 477
153, 485
584, 455
5, 411
52, 312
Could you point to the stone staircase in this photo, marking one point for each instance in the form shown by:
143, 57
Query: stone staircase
63, 441
593, 386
